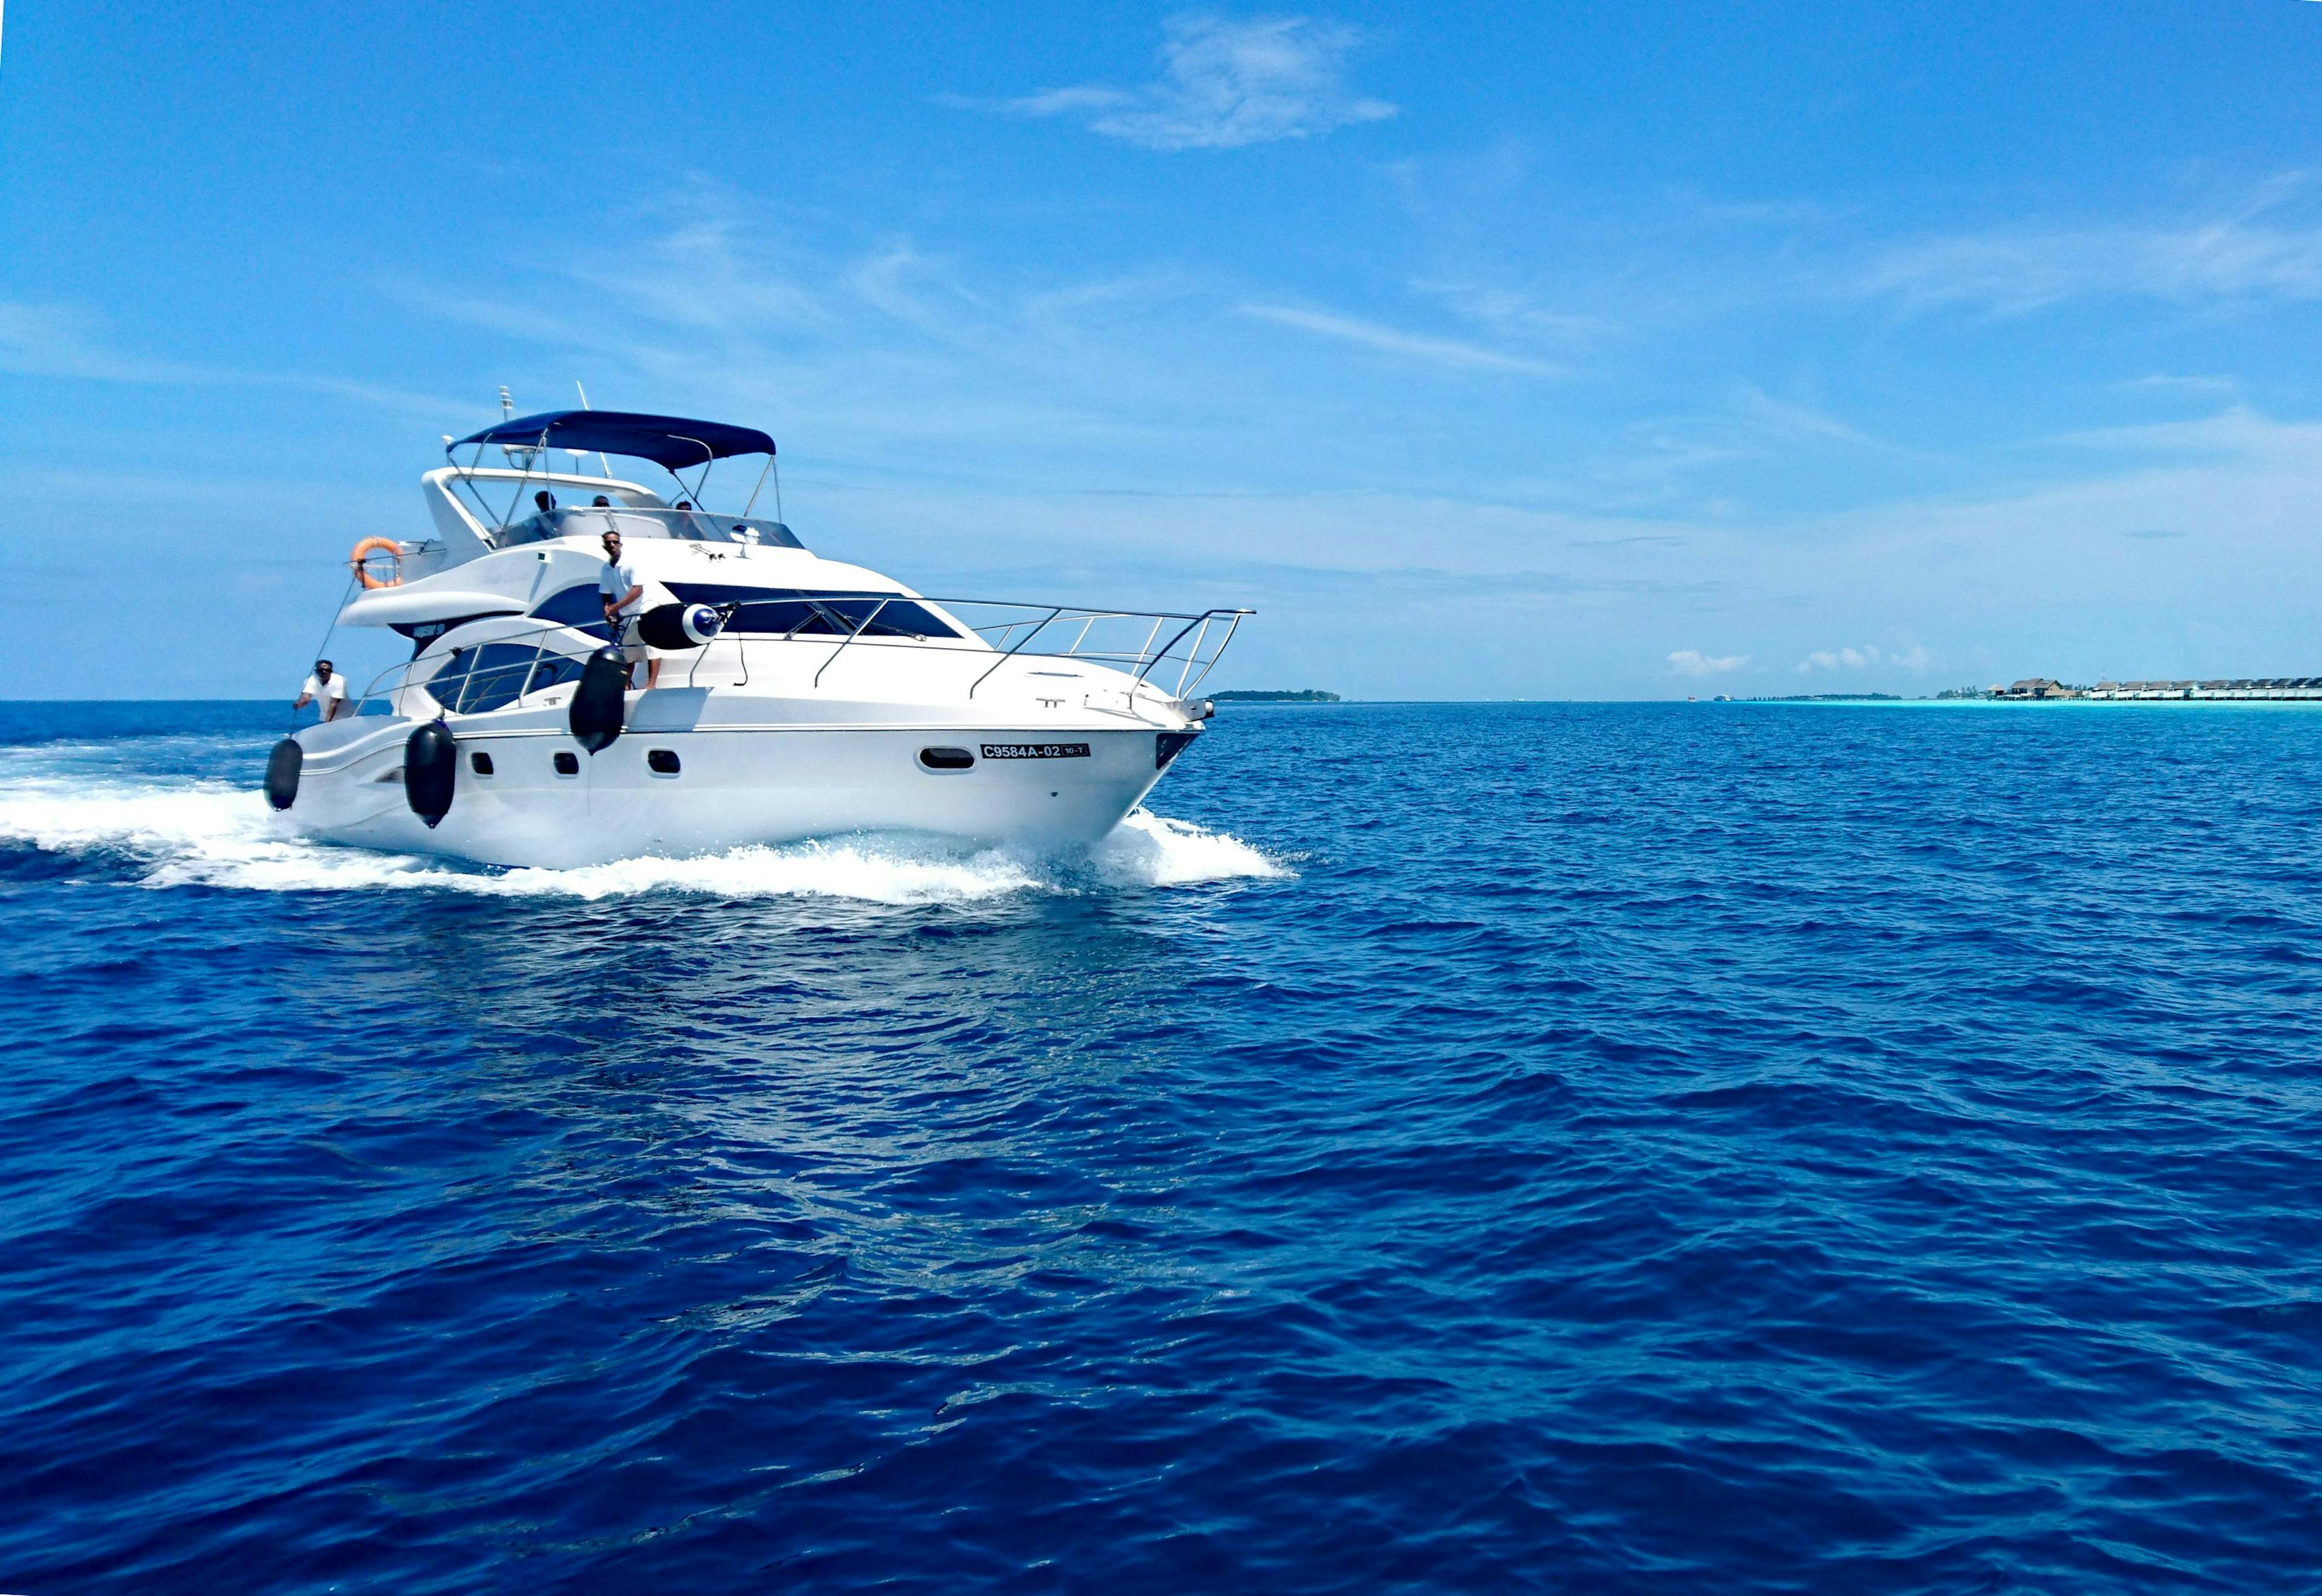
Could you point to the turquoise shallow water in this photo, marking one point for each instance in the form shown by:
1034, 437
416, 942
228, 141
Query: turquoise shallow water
1660, 1148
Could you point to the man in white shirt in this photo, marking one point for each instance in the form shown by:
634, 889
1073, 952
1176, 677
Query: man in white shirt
624, 598
326, 688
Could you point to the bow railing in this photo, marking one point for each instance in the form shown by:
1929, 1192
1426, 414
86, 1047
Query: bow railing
1174, 653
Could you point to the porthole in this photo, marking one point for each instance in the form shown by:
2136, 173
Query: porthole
480, 762
568, 763
662, 762
945, 759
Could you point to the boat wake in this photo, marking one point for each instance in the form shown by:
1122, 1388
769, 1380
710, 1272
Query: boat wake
196, 833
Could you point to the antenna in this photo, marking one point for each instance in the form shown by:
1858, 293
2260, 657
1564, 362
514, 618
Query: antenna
584, 405
507, 407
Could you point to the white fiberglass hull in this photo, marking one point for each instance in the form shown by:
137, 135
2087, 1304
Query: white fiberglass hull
731, 786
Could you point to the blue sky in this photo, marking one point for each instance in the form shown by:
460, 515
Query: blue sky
1603, 353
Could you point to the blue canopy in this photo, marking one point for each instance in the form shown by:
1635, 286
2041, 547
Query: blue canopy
668, 440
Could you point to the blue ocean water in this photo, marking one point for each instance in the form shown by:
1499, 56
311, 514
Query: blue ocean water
1653, 1148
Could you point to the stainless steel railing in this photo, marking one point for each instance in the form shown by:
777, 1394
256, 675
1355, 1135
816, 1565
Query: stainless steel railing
1172, 652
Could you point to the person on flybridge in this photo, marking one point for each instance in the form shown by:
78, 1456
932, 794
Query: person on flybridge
325, 688
624, 598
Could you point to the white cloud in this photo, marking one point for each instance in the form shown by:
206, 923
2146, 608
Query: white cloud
1914, 658
1510, 313
2242, 255
1789, 421
59, 340
1223, 84
1691, 662
2203, 387
1394, 341
71, 341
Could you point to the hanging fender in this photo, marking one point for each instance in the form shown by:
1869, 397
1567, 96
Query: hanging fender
430, 765
282, 768
600, 700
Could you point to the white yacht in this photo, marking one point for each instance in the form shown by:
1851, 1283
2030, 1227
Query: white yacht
796, 697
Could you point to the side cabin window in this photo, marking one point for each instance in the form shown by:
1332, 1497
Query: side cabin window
550, 669
477, 680
793, 612
497, 677
444, 686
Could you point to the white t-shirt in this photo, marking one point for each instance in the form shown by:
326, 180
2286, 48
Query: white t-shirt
330, 697
613, 580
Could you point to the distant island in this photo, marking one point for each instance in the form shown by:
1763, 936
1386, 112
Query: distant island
2039, 688
1830, 698
1302, 696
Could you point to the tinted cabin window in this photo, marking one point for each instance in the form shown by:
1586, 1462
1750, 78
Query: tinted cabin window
568, 763
791, 611
898, 617
662, 762
496, 678
947, 759
445, 684
480, 762
551, 669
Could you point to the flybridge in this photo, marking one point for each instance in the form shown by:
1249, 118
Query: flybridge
527, 470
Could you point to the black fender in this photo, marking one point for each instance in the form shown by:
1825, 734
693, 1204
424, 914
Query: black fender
599, 703
282, 768
431, 768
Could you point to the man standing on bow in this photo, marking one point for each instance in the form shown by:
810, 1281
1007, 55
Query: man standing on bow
624, 598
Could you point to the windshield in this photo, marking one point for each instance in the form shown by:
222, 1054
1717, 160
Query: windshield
695, 526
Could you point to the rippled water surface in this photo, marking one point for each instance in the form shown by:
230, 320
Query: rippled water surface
1684, 1148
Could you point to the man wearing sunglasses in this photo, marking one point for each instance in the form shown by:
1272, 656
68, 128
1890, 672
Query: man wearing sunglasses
624, 598
325, 688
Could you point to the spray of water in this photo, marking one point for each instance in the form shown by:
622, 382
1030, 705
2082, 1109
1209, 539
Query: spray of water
194, 833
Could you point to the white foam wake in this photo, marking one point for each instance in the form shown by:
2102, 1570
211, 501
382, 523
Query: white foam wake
1148, 850
207, 834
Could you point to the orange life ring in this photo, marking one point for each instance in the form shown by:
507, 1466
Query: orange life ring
378, 545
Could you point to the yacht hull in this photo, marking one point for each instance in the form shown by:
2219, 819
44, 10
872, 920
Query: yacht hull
682, 790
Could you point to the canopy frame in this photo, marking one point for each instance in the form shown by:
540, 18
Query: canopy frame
669, 442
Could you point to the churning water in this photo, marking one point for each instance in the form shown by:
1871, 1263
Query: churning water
1616, 1148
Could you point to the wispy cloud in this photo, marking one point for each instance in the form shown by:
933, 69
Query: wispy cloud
1666, 458
1449, 352
1223, 84
2205, 387
1788, 421
2237, 430
1914, 658
1511, 313
1691, 662
2252, 252
58, 340
73, 341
